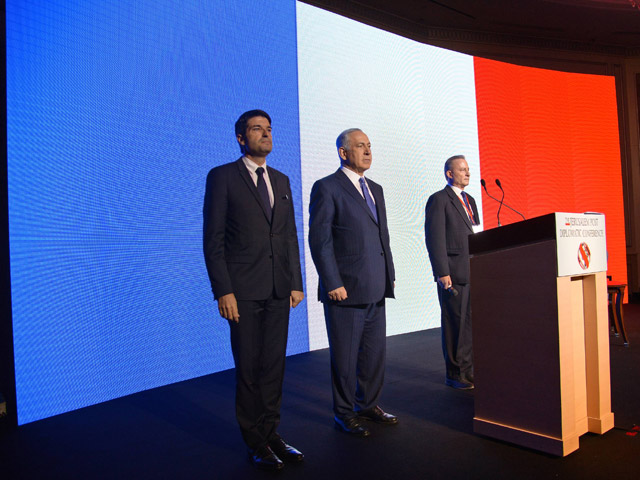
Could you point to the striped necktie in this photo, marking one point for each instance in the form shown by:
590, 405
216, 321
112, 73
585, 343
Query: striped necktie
368, 199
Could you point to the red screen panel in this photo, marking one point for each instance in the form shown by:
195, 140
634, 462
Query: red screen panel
552, 140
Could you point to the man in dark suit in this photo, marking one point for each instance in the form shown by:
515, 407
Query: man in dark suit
450, 217
349, 242
252, 257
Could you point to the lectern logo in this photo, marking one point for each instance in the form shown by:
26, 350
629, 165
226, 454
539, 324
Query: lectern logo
584, 255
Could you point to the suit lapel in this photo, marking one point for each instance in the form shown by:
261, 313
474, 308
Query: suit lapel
376, 193
350, 188
474, 207
244, 173
458, 205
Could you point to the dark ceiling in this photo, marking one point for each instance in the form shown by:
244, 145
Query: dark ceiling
587, 24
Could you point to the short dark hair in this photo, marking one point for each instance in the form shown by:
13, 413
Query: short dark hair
241, 123
448, 164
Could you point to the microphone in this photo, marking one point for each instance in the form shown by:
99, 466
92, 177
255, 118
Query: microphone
484, 185
452, 291
501, 201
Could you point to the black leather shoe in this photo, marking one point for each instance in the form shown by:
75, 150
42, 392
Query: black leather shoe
376, 414
352, 426
459, 384
285, 452
264, 459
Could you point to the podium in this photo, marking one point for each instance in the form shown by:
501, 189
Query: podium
540, 331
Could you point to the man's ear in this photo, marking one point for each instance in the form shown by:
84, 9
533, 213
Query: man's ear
343, 153
448, 174
240, 139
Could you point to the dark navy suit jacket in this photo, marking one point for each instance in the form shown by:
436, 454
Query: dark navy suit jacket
447, 227
247, 253
348, 246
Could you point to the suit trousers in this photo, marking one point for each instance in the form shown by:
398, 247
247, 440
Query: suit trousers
259, 344
357, 345
456, 331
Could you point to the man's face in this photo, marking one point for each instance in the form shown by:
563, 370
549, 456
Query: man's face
357, 156
257, 141
459, 174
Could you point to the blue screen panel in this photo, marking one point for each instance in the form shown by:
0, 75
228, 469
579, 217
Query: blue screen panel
116, 111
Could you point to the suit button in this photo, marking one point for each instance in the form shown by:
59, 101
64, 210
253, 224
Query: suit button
270, 256
271, 235
382, 253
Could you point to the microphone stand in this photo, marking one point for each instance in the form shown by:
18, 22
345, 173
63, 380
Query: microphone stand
501, 201
484, 185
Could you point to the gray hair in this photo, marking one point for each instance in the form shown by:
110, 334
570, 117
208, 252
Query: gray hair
448, 164
343, 138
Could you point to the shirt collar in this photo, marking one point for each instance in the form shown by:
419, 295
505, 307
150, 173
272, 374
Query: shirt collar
253, 166
458, 190
353, 176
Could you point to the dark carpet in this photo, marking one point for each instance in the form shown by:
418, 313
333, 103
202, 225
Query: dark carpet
188, 430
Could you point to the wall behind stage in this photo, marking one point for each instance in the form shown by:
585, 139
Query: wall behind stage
115, 114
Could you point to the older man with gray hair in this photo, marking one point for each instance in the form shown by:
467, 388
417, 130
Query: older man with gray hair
349, 243
450, 217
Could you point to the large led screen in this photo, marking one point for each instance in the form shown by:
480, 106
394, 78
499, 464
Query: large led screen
117, 111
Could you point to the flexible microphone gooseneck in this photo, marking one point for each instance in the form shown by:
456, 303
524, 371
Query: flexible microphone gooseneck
501, 201
484, 185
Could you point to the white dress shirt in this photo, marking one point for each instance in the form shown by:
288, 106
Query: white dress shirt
355, 179
252, 167
476, 228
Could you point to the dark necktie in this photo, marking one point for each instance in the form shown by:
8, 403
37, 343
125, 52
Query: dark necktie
468, 207
262, 190
368, 199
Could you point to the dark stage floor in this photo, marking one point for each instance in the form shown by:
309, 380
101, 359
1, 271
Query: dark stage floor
187, 430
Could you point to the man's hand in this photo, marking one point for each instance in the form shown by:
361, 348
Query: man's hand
228, 307
445, 282
338, 294
295, 298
